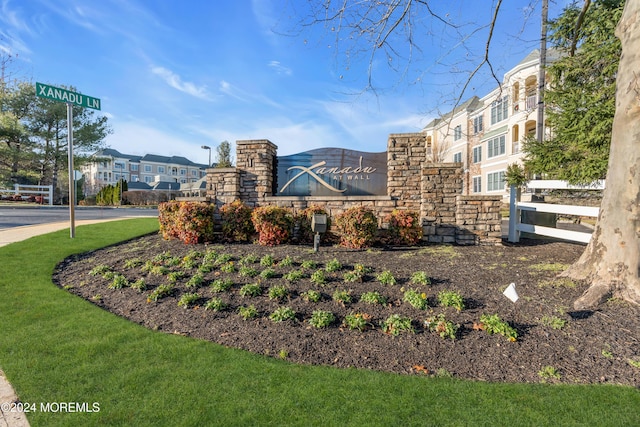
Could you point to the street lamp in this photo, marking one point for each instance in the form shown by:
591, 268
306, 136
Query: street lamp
206, 147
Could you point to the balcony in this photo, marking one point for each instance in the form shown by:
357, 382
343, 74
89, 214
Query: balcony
531, 102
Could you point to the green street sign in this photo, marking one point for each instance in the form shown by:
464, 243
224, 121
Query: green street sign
63, 95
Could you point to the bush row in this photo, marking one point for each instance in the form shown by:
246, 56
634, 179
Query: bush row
195, 222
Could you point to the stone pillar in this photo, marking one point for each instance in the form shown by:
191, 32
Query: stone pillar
441, 184
256, 161
406, 154
479, 220
223, 185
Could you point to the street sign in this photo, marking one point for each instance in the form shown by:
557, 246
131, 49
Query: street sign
64, 95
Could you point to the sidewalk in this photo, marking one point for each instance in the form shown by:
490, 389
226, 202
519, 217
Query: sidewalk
12, 235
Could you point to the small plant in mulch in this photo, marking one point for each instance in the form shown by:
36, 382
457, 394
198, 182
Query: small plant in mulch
223, 259
246, 271
548, 373
139, 285
282, 313
215, 304
228, 267
267, 261
206, 267
247, 313
309, 265
311, 296
443, 327
416, 298
322, 318
358, 227
318, 277
294, 276
373, 297
386, 278
396, 324
268, 273
342, 296
188, 300
173, 261
554, 322
492, 324
278, 292
195, 281
451, 299
634, 363
251, 290
221, 285
100, 270
359, 321
160, 292
273, 225
159, 270
118, 282
356, 275
286, 262
174, 276
333, 266
420, 278
192, 259
133, 263
248, 259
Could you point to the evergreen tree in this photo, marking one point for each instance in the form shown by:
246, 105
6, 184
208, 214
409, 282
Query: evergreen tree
223, 155
580, 102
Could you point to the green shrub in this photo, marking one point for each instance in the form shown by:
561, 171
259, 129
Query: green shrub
236, 222
278, 292
273, 225
294, 276
358, 227
321, 318
228, 267
359, 321
416, 299
342, 296
195, 281
333, 266
118, 282
268, 273
405, 227
133, 263
318, 277
286, 262
160, 292
246, 271
248, 259
139, 285
309, 265
99, 270
267, 261
248, 312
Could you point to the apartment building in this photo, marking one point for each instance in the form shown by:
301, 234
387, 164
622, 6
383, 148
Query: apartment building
486, 134
153, 170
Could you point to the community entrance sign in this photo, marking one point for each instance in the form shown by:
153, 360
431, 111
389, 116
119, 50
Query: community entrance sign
332, 172
71, 99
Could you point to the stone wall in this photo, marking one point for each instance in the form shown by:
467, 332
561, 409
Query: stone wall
433, 190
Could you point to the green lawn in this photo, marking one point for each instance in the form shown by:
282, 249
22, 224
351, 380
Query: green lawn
56, 347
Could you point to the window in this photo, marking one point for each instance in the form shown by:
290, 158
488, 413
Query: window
135, 178
496, 146
183, 171
183, 181
477, 125
134, 167
147, 168
148, 179
477, 154
499, 110
457, 158
457, 133
119, 165
495, 181
160, 169
194, 172
477, 184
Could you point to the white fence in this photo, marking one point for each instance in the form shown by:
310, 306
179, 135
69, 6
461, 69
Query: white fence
46, 191
516, 207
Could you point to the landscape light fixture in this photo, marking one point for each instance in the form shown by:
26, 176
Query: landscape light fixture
206, 147
318, 225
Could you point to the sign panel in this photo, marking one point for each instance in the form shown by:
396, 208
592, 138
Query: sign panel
332, 172
64, 95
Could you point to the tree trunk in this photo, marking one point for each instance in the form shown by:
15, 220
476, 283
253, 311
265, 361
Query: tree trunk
611, 260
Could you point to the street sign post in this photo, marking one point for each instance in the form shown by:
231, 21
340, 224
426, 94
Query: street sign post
71, 99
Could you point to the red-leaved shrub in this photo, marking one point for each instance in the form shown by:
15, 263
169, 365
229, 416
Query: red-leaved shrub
190, 222
404, 227
273, 225
358, 227
236, 222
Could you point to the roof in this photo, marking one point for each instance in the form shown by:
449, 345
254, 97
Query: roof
110, 152
166, 185
200, 184
138, 185
470, 105
179, 160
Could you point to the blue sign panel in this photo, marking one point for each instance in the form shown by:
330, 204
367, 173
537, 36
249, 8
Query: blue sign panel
332, 172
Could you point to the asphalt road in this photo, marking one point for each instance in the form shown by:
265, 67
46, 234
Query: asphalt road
21, 215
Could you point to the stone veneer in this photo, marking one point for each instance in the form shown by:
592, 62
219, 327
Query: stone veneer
433, 190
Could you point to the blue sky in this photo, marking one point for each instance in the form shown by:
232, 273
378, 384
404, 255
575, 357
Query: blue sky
175, 75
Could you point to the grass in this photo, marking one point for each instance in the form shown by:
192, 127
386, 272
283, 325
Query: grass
56, 347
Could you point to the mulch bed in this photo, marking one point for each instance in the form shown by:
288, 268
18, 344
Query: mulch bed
581, 347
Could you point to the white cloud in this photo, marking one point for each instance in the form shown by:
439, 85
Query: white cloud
176, 82
279, 68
